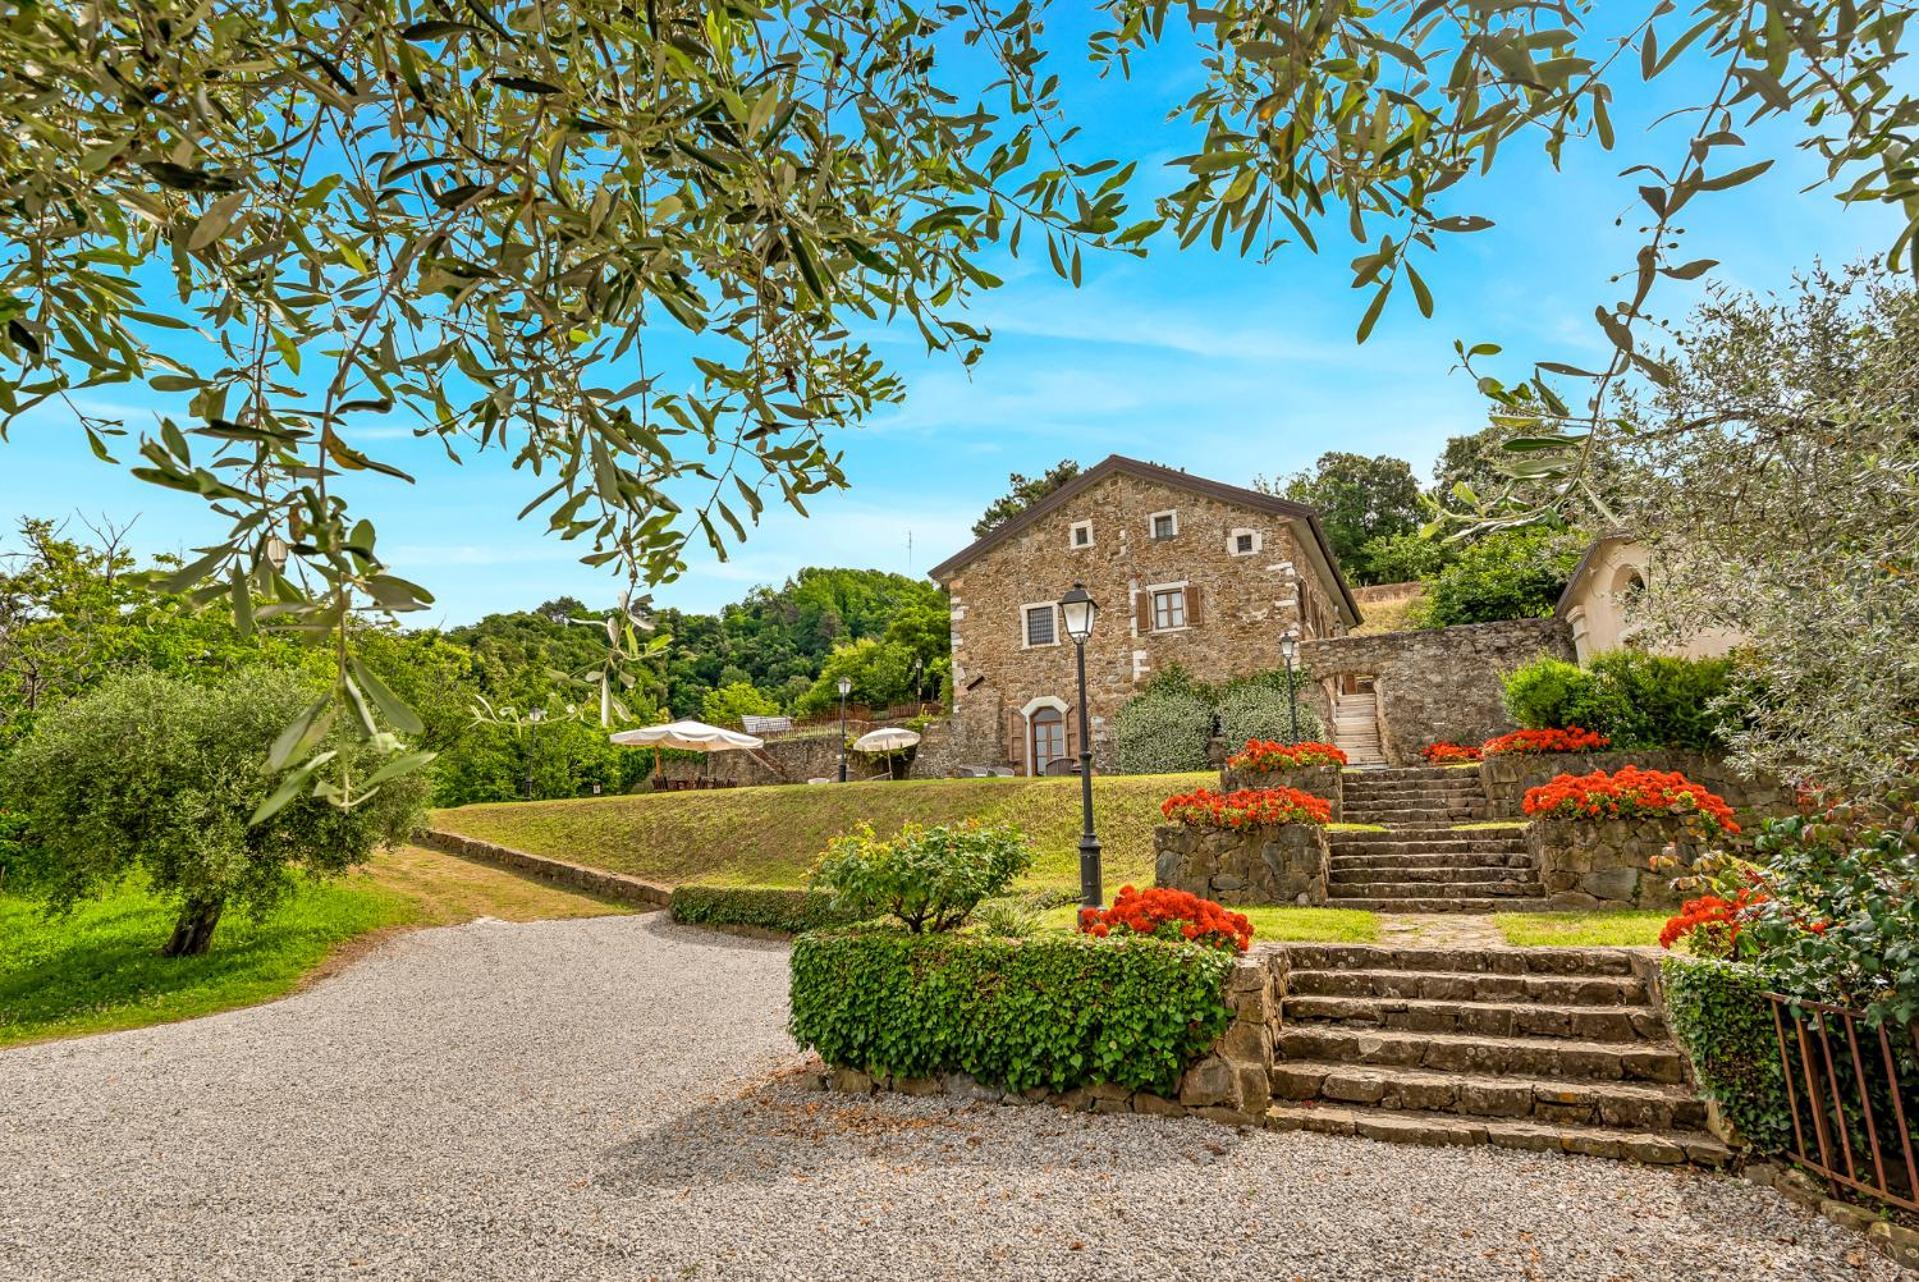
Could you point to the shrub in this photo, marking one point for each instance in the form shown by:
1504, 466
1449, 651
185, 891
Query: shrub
1169, 914
1511, 574
1570, 739
1628, 793
731, 704
1161, 733
1637, 700
148, 774
1547, 693
928, 878
1203, 808
764, 907
1267, 754
1055, 1011
1445, 754
1719, 1013
1257, 708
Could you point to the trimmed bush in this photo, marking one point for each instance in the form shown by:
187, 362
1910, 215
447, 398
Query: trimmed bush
1163, 732
927, 878
1720, 1015
765, 907
1637, 700
1055, 1011
1257, 709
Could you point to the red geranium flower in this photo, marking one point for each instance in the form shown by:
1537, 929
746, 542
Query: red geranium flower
1137, 912
1570, 739
1442, 753
1628, 793
1203, 808
1270, 754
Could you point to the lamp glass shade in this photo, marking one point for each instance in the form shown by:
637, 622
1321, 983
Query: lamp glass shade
846, 686
1079, 611
1288, 647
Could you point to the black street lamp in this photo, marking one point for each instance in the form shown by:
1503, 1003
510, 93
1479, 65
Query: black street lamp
846, 688
1288, 646
533, 720
1079, 611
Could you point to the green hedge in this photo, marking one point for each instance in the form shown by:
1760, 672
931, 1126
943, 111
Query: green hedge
768, 907
1637, 700
1720, 1015
1057, 1012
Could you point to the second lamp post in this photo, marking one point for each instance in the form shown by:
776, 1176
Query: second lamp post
1079, 610
846, 688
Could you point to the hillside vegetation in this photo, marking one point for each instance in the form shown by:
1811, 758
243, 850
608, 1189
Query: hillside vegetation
770, 836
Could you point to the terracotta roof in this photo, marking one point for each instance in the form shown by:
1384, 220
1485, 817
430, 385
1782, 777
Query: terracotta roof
1117, 463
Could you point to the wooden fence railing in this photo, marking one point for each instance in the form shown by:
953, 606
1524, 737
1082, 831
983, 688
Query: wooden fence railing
1854, 1093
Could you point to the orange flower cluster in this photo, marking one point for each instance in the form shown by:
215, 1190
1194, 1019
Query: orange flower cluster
1202, 808
1169, 914
1570, 739
1627, 793
1712, 914
1442, 753
1270, 754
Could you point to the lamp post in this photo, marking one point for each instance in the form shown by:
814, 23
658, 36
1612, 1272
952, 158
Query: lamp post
533, 720
846, 688
1079, 611
1288, 646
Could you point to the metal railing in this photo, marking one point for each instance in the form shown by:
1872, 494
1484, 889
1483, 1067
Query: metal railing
1853, 1090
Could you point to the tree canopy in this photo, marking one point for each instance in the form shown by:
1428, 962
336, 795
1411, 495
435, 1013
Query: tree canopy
1022, 492
1358, 499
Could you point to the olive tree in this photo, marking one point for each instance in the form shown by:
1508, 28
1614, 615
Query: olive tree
148, 776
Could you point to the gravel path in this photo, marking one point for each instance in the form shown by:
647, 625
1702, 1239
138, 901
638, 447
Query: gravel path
611, 1098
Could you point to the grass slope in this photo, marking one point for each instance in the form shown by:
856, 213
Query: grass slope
770, 836
100, 968
1617, 928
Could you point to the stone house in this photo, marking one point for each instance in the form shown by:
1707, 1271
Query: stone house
1185, 570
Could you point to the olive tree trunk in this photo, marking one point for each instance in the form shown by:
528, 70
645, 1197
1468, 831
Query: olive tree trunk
193, 932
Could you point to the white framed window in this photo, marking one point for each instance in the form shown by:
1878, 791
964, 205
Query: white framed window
1163, 525
1169, 608
1039, 624
1243, 543
1081, 535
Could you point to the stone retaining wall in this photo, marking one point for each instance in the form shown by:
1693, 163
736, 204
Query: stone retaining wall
1320, 781
1265, 864
1605, 863
1506, 777
594, 881
1231, 1083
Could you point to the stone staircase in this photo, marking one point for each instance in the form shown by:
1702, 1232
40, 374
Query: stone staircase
1422, 863
1356, 729
1549, 1049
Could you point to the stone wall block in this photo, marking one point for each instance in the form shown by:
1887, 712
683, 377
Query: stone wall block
1588, 863
1320, 781
1267, 864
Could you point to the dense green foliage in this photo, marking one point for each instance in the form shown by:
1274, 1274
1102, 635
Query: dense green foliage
780, 908
1405, 558
1638, 700
1165, 728
1055, 1011
1021, 493
150, 774
1258, 708
1513, 574
1359, 500
928, 878
1719, 1013
1162, 732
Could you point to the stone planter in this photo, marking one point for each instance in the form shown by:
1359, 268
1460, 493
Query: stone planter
1506, 778
1265, 864
1606, 863
1320, 781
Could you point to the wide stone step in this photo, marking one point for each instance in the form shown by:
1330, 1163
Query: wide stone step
1441, 829
1508, 886
1489, 1018
1408, 1127
1637, 1105
1449, 874
1476, 1053
1495, 960
1471, 986
1386, 844
1386, 789
1453, 904
1382, 860
1357, 813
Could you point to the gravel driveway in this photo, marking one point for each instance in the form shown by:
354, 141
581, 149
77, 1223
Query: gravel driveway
610, 1099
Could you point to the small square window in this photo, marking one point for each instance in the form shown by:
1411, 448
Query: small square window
1083, 534
1165, 525
1242, 543
1039, 625
1169, 609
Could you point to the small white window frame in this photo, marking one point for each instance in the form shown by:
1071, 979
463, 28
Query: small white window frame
1234, 536
1025, 628
1072, 535
1153, 591
1152, 525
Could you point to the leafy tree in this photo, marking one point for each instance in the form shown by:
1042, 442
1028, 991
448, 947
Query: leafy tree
150, 775
1022, 492
1358, 499
1512, 574
1404, 558
884, 673
731, 704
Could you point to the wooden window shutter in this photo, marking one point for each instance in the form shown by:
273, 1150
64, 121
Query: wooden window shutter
1016, 740
1192, 604
1143, 610
1072, 732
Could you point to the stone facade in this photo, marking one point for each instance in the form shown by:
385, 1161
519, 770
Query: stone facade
1237, 570
1264, 864
1320, 781
1605, 863
1432, 684
1507, 777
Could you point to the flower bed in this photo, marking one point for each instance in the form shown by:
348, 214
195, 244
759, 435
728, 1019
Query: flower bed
1448, 754
1246, 808
1631, 793
1569, 739
1272, 755
1164, 913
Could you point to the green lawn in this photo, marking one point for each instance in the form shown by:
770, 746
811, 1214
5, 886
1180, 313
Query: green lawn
1277, 925
1609, 929
100, 968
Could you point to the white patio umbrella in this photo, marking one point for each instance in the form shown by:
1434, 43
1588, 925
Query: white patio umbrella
692, 736
887, 739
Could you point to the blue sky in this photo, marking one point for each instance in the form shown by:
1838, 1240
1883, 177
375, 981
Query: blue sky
1226, 367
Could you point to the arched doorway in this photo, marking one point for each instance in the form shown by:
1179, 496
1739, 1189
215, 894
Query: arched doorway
1047, 730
